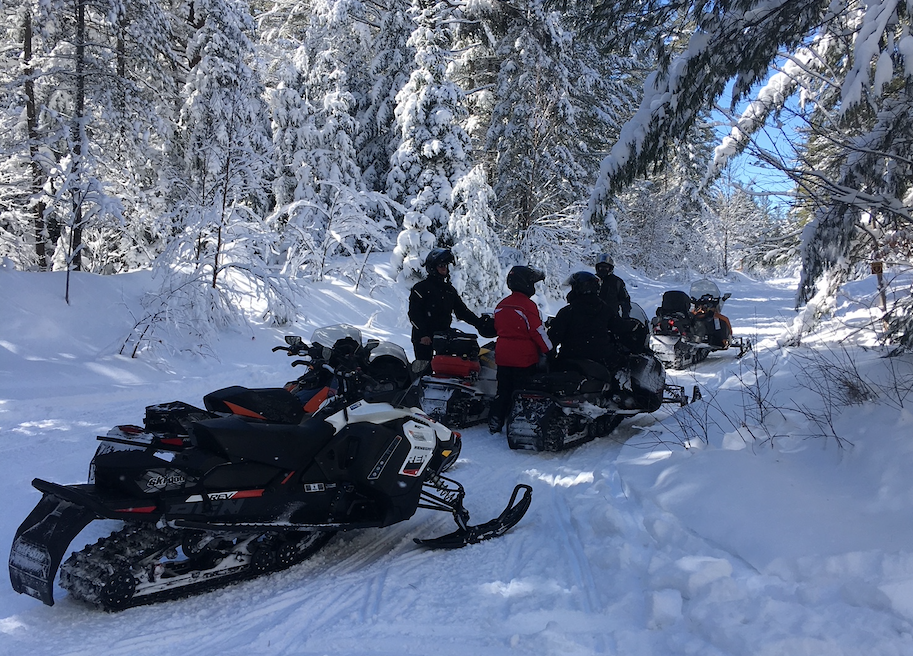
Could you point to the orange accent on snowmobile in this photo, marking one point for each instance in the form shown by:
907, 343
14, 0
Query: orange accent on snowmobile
242, 412
316, 400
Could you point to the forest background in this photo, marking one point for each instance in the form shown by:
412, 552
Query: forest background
242, 146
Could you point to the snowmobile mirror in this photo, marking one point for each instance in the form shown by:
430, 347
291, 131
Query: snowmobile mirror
293, 340
727, 295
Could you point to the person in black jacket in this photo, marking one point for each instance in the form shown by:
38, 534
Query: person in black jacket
433, 302
612, 290
582, 329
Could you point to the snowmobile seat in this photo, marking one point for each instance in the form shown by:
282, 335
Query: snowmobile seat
558, 383
280, 445
589, 368
270, 404
674, 301
593, 375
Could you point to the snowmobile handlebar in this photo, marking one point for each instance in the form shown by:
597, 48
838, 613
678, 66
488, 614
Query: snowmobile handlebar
296, 346
343, 366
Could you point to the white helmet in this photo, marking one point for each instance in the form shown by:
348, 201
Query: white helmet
605, 258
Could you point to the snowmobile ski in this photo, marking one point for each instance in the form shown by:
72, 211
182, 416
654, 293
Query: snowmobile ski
469, 534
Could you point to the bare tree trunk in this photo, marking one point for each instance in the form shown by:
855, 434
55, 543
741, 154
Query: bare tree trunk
31, 114
76, 134
226, 182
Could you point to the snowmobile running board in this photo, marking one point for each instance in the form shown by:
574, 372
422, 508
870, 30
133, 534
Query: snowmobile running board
466, 534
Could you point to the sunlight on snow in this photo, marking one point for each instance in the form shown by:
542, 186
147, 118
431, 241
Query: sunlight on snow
116, 374
32, 428
12, 348
520, 588
10, 624
561, 481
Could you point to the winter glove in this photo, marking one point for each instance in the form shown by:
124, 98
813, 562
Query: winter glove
486, 326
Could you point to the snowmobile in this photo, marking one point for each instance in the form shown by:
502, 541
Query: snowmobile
462, 383
688, 327
578, 400
251, 484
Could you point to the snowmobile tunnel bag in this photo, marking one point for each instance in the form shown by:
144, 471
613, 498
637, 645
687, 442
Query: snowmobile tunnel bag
456, 343
174, 417
675, 301
450, 365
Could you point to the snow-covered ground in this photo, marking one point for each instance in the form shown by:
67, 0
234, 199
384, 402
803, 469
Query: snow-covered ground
702, 531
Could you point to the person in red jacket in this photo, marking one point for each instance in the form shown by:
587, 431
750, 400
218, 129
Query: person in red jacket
522, 340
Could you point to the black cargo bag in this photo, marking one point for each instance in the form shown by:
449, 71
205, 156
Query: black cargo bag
457, 343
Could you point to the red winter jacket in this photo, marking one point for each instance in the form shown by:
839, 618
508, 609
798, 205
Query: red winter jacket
521, 335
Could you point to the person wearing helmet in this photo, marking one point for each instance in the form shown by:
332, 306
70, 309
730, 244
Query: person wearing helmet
433, 302
522, 340
582, 329
612, 290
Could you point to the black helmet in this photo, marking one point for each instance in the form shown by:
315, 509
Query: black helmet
436, 258
523, 279
583, 283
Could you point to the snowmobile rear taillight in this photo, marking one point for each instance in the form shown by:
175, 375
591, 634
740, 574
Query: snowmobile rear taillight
130, 430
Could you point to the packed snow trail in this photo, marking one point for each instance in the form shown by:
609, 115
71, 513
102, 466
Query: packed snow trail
632, 546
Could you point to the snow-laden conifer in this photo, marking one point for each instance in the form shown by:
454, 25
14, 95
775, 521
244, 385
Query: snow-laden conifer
413, 243
476, 246
434, 149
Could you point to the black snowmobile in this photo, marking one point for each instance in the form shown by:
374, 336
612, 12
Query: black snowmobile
248, 485
578, 400
462, 383
688, 327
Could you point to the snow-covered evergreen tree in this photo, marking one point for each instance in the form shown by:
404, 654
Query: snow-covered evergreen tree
329, 211
434, 150
390, 63
534, 130
95, 89
222, 151
476, 246
413, 244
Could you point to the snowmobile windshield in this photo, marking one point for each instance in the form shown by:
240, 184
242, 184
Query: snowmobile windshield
638, 313
704, 287
329, 335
